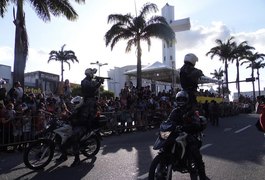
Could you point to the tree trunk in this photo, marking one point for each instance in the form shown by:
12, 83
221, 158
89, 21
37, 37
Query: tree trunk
62, 70
226, 75
139, 66
20, 51
237, 78
253, 84
258, 81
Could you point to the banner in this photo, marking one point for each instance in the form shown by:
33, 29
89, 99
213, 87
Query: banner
202, 99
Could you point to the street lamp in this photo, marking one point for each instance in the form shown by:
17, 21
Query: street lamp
99, 65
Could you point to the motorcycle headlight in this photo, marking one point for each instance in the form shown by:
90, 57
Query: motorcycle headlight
164, 135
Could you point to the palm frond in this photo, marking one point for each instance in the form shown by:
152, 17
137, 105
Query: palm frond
55, 7
130, 43
159, 30
62, 7
119, 37
3, 7
41, 9
80, 1
148, 8
117, 31
119, 18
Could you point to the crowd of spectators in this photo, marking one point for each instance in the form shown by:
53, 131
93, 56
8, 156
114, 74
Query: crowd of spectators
24, 115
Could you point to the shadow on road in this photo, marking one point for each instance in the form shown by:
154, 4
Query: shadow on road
139, 140
58, 171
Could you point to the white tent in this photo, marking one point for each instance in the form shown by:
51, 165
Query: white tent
161, 72
156, 72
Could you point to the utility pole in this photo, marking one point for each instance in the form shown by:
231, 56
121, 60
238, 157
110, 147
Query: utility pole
99, 65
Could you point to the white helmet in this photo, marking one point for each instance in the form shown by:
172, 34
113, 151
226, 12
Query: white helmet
90, 72
191, 58
77, 101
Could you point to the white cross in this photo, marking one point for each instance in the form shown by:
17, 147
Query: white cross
169, 57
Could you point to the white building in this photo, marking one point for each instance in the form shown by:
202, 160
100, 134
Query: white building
248, 94
118, 80
5, 74
39, 81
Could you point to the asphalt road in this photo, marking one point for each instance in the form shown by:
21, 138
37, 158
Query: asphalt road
233, 151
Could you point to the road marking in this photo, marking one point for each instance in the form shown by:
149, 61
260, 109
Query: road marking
205, 146
242, 129
227, 129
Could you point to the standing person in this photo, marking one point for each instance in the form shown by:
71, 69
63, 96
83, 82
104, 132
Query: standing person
206, 109
16, 93
85, 111
214, 108
189, 77
4, 125
67, 91
16, 126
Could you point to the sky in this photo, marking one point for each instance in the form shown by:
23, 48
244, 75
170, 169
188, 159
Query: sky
210, 20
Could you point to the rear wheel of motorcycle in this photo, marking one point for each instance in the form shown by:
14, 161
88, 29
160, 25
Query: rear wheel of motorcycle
159, 169
38, 154
91, 147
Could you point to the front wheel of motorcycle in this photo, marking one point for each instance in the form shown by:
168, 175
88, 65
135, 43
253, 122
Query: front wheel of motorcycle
91, 147
160, 169
38, 154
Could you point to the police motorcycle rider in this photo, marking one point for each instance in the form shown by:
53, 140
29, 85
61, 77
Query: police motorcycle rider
189, 77
184, 113
84, 113
192, 127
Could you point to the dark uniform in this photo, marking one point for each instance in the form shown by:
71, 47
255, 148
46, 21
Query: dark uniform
192, 127
83, 116
184, 115
189, 76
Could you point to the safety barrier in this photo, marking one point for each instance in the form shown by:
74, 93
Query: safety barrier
25, 129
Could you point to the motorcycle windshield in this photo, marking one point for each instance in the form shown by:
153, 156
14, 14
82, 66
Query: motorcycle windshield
159, 143
167, 126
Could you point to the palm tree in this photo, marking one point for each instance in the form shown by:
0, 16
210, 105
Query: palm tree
258, 65
218, 75
137, 29
63, 56
240, 52
251, 59
44, 9
225, 51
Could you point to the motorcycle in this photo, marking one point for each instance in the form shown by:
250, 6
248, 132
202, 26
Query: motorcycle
40, 152
172, 155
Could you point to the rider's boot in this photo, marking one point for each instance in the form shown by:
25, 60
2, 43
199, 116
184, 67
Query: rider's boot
202, 174
204, 178
62, 158
76, 161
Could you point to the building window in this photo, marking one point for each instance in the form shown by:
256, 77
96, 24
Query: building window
171, 57
164, 58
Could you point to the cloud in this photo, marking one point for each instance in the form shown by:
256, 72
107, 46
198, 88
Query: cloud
199, 40
6, 55
255, 39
